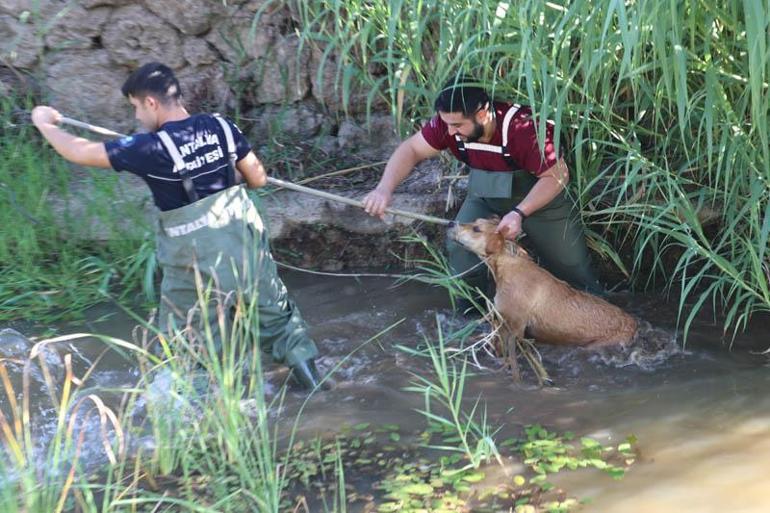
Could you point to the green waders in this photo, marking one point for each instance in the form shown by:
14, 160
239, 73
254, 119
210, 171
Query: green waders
553, 231
224, 237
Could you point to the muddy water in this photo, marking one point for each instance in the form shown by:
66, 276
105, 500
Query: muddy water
702, 416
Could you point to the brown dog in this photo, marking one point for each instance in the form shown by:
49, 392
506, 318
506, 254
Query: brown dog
532, 299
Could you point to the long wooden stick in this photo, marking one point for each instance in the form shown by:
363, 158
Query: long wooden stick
277, 182
93, 128
355, 203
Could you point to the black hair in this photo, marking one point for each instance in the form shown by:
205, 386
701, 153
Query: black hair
153, 79
461, 94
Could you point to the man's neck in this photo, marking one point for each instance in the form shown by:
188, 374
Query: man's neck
178, 113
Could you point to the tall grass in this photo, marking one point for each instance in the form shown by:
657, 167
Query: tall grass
50, 268
207, 451
474, 436
663, 103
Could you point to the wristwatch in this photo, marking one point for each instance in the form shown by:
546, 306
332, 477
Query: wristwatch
521, 214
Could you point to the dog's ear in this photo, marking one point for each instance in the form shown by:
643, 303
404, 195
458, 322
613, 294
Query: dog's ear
495, 219
495, 243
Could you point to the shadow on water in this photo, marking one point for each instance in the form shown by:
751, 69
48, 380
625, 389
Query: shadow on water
701, 414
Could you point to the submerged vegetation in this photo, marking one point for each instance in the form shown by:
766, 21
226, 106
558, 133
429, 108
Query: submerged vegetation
198, 431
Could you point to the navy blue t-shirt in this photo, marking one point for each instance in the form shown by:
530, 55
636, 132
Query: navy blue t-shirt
201, 143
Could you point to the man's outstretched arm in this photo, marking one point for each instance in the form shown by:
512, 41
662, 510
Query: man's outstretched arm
77, 150
549, 184
408, 154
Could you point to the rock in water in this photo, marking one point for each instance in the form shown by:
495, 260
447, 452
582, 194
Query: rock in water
13, 345
14, 354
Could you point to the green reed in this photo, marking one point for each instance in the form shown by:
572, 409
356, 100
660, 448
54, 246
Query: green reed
661, 109
50, 265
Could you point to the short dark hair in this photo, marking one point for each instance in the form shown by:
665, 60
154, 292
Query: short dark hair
461, 94
153, 79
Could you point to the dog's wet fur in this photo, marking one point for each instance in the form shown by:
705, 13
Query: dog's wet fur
533, 301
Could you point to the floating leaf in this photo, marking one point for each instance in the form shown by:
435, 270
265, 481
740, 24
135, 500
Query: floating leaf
474, 477
418, 489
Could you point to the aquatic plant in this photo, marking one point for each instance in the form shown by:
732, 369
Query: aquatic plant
473, 436
198, 432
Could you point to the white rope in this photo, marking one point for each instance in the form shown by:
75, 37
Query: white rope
343, 275
371, 275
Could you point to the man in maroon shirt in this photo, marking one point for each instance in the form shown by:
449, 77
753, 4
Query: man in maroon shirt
509, 176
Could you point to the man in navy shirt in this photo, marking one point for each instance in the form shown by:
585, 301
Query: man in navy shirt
207, 224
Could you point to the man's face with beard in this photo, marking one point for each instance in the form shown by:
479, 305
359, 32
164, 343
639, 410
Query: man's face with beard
469, 129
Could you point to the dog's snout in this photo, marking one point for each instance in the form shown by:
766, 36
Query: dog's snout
451, 224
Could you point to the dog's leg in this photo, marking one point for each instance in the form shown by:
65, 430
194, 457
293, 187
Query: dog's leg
516, 325
511, 332
511, 358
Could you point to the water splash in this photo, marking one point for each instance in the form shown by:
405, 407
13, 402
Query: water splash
650, 348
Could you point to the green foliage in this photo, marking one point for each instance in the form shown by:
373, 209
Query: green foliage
407, 478
548, 453
443, 396
50, 268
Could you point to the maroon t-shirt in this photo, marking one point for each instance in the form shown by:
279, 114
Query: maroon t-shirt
522, 142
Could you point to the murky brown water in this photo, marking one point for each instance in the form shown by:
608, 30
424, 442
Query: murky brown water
702, 417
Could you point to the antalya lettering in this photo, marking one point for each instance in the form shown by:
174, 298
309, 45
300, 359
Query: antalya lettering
206, 139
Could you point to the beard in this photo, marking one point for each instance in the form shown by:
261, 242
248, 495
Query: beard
478, 131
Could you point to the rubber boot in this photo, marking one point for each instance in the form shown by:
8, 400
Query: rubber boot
306, 375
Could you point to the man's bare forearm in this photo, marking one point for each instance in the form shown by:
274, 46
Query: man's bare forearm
399, 167
73, 148
548, 186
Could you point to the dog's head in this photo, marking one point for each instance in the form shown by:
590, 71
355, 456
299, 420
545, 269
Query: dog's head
479, 236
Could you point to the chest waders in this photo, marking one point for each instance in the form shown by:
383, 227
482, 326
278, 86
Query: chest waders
554, 231
223, 236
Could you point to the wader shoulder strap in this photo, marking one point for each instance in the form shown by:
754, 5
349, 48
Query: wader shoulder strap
179, 165
232, 156
506, 125
461, 149
503, 150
